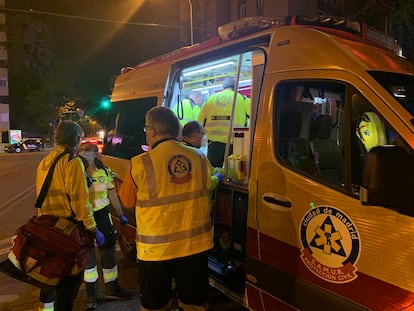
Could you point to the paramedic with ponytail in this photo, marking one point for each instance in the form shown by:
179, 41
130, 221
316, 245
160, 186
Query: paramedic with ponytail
102, 193
172, 185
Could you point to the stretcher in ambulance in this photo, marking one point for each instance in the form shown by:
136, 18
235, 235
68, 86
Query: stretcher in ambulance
317, 208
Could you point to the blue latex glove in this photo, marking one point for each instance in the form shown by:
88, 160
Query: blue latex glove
123, 219
99, 238
219, 177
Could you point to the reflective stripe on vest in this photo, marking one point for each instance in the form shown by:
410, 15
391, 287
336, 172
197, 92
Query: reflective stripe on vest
172, 223
152, 188
175, 236
98, 192
110, 275
90, 275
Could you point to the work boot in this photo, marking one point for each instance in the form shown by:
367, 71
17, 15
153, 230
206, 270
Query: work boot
92, 295
114, 291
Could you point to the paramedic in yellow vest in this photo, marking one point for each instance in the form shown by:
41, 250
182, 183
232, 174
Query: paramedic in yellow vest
215, 118
371, 131
174, 231
193, 135
67, 196
102, 193
189, 108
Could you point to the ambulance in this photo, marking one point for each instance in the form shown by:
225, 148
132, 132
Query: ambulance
316, 211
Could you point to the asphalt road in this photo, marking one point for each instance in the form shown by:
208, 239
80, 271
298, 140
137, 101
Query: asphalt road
17, 197
19, 296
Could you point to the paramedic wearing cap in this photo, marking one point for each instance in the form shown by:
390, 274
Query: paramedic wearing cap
174, 230
215, 117
102, 193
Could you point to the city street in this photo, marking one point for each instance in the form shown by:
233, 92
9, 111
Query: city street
17, 175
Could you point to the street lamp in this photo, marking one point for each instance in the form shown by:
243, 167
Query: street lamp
191, 21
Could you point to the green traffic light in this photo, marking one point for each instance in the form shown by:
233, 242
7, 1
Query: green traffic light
105, 103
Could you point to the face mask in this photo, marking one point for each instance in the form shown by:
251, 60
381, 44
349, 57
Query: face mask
204, 149
204, 141
88, 155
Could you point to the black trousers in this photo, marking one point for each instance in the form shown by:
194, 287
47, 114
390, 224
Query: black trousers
216, 152
191, 279
64, 294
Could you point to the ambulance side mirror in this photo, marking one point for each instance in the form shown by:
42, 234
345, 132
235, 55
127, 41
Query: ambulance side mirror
388, 179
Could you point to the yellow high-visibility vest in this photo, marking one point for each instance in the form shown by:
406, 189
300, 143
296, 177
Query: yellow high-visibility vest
215, 114
371, 131
186, 114
98, 191
172, 208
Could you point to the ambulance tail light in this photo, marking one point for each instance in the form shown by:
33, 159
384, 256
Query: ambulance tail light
249, 25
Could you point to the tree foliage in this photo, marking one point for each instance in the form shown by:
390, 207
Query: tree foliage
402, 26
73, 52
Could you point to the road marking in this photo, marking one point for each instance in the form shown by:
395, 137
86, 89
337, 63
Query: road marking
5, 241
5, 206
4, 251
8, 298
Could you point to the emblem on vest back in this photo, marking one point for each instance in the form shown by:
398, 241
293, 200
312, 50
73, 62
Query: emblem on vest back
179, 169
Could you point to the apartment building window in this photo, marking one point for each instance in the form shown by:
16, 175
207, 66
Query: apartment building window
242, 9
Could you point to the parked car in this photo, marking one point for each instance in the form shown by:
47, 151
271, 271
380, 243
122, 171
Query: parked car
26, 144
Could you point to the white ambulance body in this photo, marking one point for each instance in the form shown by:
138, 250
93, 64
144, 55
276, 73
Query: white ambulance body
316, 212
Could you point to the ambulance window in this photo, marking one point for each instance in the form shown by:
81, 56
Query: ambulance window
400, 86
369, 129
125, 137
204, 92
309, 129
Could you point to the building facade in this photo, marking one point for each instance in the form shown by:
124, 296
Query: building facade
4, 87
208, 15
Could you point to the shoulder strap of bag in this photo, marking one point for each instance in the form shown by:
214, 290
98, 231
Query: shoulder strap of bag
47, 181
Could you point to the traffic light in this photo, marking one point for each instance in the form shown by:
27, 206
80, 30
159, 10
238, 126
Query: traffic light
105, 103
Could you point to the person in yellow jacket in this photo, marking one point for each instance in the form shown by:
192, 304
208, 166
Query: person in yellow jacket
67, 197
189, 108
215, 117
102, 192
174, 230
193, 135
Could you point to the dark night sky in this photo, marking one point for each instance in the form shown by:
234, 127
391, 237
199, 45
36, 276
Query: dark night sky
90, 51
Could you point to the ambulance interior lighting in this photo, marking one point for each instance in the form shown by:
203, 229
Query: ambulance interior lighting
185, 74
319, 100
246, 82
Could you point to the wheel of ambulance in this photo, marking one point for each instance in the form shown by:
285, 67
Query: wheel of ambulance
128, 248
18, 150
